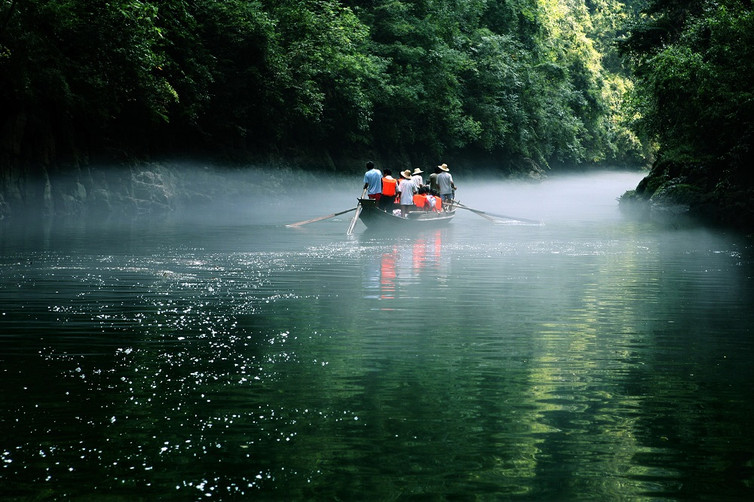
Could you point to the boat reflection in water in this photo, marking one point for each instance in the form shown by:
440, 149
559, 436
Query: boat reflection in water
399, 267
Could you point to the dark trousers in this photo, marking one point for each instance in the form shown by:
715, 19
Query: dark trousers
386, 203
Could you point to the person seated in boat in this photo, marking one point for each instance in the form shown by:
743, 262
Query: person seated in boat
373, 181
427, 201
434, 202
420, 199
389, 190
406, 190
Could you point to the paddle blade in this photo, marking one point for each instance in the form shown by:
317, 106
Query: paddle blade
353, 221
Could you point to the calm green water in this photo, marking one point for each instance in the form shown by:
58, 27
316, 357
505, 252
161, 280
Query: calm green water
590, 358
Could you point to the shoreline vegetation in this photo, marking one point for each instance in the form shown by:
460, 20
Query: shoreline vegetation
519, 88
693, 63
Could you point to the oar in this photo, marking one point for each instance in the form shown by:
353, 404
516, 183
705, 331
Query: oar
480, 213
299, 223
487, 215
356, 216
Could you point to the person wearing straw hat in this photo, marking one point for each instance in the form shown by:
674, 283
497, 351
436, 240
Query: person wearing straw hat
406, 189
445, 183
416, 177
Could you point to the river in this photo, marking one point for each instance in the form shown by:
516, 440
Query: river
222, 355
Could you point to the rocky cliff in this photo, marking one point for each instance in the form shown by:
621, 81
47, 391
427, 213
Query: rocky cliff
681, 193
153, 188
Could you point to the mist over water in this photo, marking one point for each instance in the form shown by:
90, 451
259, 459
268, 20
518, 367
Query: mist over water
568, 197
215, 353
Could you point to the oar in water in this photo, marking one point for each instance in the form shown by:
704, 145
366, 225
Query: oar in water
480, 213
356, 216
306, 222
491, 216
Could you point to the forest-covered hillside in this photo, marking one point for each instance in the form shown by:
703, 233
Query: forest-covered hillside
503, 80
693, 67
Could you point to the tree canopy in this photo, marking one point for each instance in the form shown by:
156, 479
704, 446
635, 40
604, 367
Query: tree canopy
421, 79
693, 62
693, 65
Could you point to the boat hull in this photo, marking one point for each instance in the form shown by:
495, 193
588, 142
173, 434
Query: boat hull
374, 217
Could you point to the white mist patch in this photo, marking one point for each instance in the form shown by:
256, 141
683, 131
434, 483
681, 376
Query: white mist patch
277, 196
572, 197
257, 195
280, 196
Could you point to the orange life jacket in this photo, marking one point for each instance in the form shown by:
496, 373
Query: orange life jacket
389, 187
420, 200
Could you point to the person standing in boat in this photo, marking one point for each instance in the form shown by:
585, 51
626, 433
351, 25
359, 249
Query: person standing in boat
373, 181
445, 183
406, 190
389, 191
417, 178
433, 180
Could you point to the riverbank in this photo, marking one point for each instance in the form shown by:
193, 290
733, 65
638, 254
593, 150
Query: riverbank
677, 193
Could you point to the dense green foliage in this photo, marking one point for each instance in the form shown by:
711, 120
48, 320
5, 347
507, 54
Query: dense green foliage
694, 65
421, 79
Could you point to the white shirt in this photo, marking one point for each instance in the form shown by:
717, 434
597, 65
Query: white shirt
406, 187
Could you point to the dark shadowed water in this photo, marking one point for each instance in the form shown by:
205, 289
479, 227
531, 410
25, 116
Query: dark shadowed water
229, 357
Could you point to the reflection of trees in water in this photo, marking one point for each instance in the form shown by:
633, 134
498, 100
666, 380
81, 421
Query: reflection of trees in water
564, 371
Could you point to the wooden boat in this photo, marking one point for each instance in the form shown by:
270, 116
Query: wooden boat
374, 217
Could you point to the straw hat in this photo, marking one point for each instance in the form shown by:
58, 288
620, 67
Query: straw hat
444, 167
406, 174
418, 171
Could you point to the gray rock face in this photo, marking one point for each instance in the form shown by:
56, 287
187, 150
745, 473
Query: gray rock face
146, 189
138, 190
